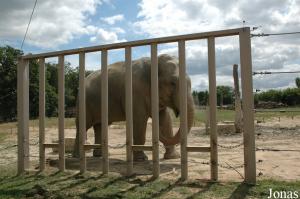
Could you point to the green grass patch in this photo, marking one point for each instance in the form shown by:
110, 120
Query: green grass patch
94, 185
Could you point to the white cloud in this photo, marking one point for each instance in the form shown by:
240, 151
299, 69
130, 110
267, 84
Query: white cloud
113, 19
158, 18
54, 22
103, 37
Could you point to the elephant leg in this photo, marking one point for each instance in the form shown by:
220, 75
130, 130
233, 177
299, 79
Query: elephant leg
165, 128
76, 146
76, 149
97, 132
139, 137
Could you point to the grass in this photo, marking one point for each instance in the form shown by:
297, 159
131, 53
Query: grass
94, 185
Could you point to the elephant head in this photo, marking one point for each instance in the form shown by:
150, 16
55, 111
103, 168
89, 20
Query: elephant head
169, 95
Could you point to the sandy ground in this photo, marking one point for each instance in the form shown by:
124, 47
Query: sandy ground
283, 135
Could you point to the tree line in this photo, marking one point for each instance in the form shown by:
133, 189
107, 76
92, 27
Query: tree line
8, 88
225, 96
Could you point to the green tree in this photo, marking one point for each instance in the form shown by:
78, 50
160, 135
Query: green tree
8, 82
203, 98
224, 95
297, 80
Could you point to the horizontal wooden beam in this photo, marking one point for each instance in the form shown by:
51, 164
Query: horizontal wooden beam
187, 37
198, 149
142, 147
51, 145
92, 146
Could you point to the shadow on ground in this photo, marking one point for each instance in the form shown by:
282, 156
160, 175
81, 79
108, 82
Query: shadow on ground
115, 165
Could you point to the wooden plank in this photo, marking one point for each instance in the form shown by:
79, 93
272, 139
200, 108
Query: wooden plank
92, 146
129, 114
183, 109
213, 109
155, 110
198, 149
104, 111
169, 39
23, 115
142, 147
42, 71
61, 112
82, 112
51, 145
248, 105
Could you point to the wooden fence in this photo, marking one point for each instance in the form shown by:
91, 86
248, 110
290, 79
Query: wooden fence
247, 100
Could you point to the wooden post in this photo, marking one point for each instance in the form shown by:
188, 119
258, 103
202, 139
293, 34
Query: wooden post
104, 111
213, 109
61, 112
42, 113
82, 112
155, 110
23, 115
183, 109
129, 114
237, 101
248, 105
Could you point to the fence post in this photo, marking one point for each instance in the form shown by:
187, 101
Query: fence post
248, 105
104, 111
61, 112
213, 109
237, 102
42, 113
155, 110
23, 115
129, 116
183, 109
82, 112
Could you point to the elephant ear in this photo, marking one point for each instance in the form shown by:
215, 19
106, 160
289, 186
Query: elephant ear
167, 66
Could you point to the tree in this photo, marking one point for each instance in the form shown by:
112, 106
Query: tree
8, 82
297, 80
224, 95
203, 98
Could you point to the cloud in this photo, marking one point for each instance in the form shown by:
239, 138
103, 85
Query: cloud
113, 19
54, 22
172, 17
104, 37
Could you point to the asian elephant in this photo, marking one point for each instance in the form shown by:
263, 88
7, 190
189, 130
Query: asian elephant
169, 96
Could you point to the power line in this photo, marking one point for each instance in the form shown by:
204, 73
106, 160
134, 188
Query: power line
273, 34
276, 72
28, 24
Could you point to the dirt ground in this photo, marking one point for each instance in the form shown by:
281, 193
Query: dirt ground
277, 155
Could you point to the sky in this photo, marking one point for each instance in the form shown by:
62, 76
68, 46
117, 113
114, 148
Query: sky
66, 24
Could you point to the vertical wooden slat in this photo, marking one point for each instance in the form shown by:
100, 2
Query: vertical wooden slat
61, 112
155, 110
82, 112
183, 109
213, 109
248, 105
42, 113
129, 114
23, 115
104, 111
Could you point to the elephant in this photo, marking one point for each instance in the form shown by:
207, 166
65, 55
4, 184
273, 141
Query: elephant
169, 96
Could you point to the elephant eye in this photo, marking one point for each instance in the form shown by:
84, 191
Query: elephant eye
173, 83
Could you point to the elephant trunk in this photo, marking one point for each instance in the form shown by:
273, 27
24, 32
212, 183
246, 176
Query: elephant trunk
190, 119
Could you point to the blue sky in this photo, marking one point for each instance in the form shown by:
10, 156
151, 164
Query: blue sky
65, 24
